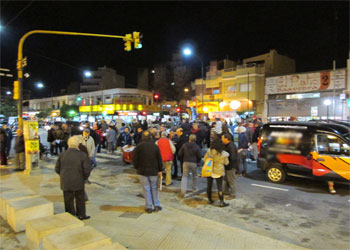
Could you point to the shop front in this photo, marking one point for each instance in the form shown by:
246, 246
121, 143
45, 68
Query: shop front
315, 95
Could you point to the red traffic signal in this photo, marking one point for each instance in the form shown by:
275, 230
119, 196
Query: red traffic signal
143, 113
156, 96
178, 110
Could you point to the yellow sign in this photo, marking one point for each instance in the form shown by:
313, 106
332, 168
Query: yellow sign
30, 130
84, 109
32, 147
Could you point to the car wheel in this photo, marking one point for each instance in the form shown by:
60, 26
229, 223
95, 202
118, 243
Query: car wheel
275, 173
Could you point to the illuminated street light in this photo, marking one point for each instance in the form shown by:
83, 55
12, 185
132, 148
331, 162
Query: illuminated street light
87, 74
172, 84
153, 71
235, 105
8, 92
186, 90
39, 85
187, 52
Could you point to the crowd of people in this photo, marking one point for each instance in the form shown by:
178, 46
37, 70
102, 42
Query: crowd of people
173, 149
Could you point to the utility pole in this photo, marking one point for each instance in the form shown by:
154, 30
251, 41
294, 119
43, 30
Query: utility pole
334, 81
248, 92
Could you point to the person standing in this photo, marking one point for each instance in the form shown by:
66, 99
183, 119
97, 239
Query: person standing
243, 146
138, 135
186, 126
9, 137
87, 141
167, 150
255, 139
19, 151
148, 163
220, 159
124, 138
231, 167
110, 138
191, 155
3, 144
179, 140
94, 134
66, 135
51, 138
59, 139
74, 168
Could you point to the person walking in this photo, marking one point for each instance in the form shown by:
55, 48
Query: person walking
74, 168
167, 151
19, 151
179, 139
243, 146
148, 163
231, 167
220, 159
191, 155
110, 138
3, 144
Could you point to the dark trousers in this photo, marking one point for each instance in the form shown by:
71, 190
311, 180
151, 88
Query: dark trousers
64, 145
3, 158
219, 182
58, 147
8, 149
176, 165
78, 197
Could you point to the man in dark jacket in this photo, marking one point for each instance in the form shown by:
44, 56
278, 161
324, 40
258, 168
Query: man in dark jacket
148, 163
191, 155
179, 139
9, 139
186, 126
19, 151
124, 138
231, 168
74, 168
3, 143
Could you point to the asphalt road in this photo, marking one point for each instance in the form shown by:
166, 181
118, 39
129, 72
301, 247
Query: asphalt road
299, 211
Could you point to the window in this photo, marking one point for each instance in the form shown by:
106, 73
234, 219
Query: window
216, 91
231, 89
244, 87
330, 144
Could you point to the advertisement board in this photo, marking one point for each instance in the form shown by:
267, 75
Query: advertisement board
307, 82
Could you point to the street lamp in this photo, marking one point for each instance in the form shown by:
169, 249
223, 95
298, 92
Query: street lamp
327, 102
188, 52
8, 92
39, 85
186, 90
87, 74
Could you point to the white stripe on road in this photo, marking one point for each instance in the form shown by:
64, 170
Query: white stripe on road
257, 185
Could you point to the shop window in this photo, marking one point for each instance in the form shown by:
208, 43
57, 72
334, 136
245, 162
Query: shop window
231, 88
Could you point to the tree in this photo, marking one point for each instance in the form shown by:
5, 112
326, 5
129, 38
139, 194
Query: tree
44, 113
69, 111
8, 108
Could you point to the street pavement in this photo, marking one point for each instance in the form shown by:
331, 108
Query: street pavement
299, 213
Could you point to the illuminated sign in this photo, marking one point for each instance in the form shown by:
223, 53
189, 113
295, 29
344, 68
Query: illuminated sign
127, 113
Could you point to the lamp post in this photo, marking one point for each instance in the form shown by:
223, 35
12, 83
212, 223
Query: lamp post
188, 52
327, 103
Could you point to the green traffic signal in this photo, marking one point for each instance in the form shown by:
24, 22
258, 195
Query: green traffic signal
78, 98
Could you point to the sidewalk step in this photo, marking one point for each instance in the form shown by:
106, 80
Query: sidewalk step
7, 196
39, 228
114, 246
19, 211
77, 238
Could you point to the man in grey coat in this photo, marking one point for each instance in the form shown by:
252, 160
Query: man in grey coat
111, 138
74, 168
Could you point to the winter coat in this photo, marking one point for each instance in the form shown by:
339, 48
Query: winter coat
179, 141
51, 135
233, 158
200, 135
19, 145
89, 144
74, 167
66, 134
9, 136
111, 135
186, 128
137, 137
147, 159
220, 160
124, 139
190, 152
59, 134
213, 134
95, 136
3, 141
167, 149
255, 136
243, 141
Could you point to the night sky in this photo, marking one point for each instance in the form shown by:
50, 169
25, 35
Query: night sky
313, 33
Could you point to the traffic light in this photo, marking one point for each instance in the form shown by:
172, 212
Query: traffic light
78, 99
16, 90
128, 40
137, 41
155, 96
178, 110
144, 113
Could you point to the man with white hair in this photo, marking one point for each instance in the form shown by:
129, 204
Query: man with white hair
167, 151
88, 142
74, 168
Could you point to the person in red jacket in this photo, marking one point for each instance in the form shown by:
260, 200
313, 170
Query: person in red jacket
167, 151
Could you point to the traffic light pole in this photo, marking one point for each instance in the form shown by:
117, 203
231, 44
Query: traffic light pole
20, 64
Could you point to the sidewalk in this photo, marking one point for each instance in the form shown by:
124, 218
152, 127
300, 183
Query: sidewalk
117, 211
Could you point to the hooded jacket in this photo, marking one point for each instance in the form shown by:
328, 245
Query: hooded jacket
220, 160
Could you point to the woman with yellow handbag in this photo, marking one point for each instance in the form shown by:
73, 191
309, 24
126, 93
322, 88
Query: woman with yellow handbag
216, 159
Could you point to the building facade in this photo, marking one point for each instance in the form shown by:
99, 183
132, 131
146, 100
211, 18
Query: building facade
103, 78
238, 88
